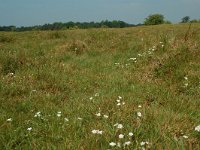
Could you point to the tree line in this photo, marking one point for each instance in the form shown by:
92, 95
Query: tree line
70, 25
153, 19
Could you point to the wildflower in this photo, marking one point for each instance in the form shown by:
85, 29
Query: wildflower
139, 114
142, 143
66, 119
186, 84
119, 126
118, 104
94, 131
162, 45
112, 144
119, 97
186, 78
97, 132
121, 136
97, 94
123, 103
118, 144
9, 120
118, 100
58, 115
37, 114
132, 59
80, 118
100, 132
130, 134
127, 143
91, 98
116, 63
105, 116
98, 114
185, 136
139, 106
29, 129
197, 128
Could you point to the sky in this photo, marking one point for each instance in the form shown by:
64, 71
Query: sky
38, 12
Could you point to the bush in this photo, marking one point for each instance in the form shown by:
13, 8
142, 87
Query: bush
154, 19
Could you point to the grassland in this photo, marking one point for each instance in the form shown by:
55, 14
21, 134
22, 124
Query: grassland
60, 89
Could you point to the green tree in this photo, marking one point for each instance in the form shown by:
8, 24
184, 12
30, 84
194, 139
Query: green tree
154, 19
185, 19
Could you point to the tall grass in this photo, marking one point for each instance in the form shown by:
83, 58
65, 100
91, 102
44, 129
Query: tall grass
58, 88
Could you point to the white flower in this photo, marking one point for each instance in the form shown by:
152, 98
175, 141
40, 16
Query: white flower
9, 120
112, 144
127, 143
59, 112
185, 136
97, 94
130, 134
118, 100
139, 114
186, 84
118, 104
132, 58
186, 78
105, 116
162, 45
58, 115
97, 132
91, 98
37, 114
139, 106
94, 131
123, 103
98, 114
119, 126
100, 132
197, 128
121, 136
142, 143
29, 129
118, 144
80, 118
119, 97
116, 63
66, 119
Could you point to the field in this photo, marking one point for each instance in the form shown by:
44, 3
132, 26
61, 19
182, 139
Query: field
131, 88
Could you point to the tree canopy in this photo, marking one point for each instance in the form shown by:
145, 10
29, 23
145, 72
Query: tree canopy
154, 19
70, 25
185, 19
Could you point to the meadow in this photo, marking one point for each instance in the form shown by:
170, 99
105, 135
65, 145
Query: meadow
99, 89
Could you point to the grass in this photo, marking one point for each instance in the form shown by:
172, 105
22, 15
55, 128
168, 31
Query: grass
83, 72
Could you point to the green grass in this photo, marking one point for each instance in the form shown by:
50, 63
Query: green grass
56, 71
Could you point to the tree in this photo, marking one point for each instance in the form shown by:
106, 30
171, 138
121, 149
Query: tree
154, 19
185, 19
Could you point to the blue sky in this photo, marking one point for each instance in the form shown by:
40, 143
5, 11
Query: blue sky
34, 12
